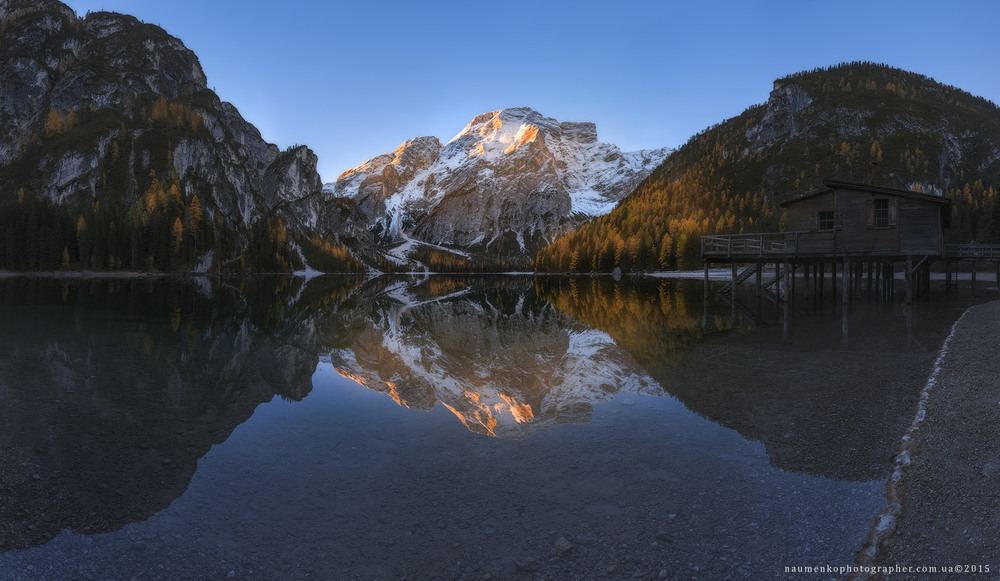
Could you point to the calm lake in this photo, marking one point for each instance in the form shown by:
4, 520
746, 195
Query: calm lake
447, 427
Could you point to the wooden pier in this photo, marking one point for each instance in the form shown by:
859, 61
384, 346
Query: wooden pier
868, 232
776, 263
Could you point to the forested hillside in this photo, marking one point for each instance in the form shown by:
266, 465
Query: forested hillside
115, 155
819, 124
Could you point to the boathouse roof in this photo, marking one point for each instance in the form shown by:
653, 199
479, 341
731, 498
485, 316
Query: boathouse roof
834, 184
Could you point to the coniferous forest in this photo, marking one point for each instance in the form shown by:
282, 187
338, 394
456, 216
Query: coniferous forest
731, 177
142, 218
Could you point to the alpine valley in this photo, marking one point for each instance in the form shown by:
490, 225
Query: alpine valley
115, 155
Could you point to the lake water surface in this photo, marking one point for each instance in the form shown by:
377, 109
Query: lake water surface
445, 427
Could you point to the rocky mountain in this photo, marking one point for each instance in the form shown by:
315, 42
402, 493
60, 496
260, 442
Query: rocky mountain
815, 125
510, 180
113, 146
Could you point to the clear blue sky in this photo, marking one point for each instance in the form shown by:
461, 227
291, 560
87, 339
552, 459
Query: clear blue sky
353, 79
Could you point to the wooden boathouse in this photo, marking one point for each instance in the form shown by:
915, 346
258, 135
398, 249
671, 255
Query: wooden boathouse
856, 227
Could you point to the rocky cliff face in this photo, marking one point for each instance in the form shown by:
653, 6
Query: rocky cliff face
101, 108
511, 179
927, 135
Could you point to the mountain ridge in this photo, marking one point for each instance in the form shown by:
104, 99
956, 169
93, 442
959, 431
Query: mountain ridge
510, 179
819, 124
115, 155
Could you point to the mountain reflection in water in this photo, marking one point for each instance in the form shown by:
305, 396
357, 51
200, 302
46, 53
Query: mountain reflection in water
513, 358
505, 362
111, 390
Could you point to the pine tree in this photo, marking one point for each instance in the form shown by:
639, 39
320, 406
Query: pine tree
53, 123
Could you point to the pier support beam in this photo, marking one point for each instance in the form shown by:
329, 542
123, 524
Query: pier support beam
871, 266
822, 274
791, 290
732, 296
844, 291
706, 281
786, 285
758, 290
909, 279
890, 280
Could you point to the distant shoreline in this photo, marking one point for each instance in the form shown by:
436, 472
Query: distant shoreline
715, 274
78, 274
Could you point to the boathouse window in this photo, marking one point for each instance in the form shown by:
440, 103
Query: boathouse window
881, 214
824, 220
881, 208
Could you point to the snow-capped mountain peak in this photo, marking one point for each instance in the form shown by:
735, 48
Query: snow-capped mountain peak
510, 180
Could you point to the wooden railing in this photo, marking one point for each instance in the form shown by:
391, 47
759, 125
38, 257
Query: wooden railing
766, 244
772, 244
972, 251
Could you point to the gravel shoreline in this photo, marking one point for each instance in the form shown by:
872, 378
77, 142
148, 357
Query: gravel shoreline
950, 504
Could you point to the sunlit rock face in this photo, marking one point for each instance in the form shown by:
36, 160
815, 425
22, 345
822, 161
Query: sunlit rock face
509, 180
505, 363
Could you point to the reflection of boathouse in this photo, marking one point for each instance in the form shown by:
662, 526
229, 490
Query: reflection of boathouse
856, 226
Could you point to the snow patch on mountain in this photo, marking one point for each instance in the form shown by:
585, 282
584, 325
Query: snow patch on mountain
511, 174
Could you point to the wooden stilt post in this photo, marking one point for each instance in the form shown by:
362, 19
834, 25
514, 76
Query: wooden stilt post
909, 279
869, 291
833, 281
845, 291
822, 273
706, 281
786, 301
882, 283
732, 296
973, 278
791, 293
853, 270
759, 281
786, 283
878, 280
890, 280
